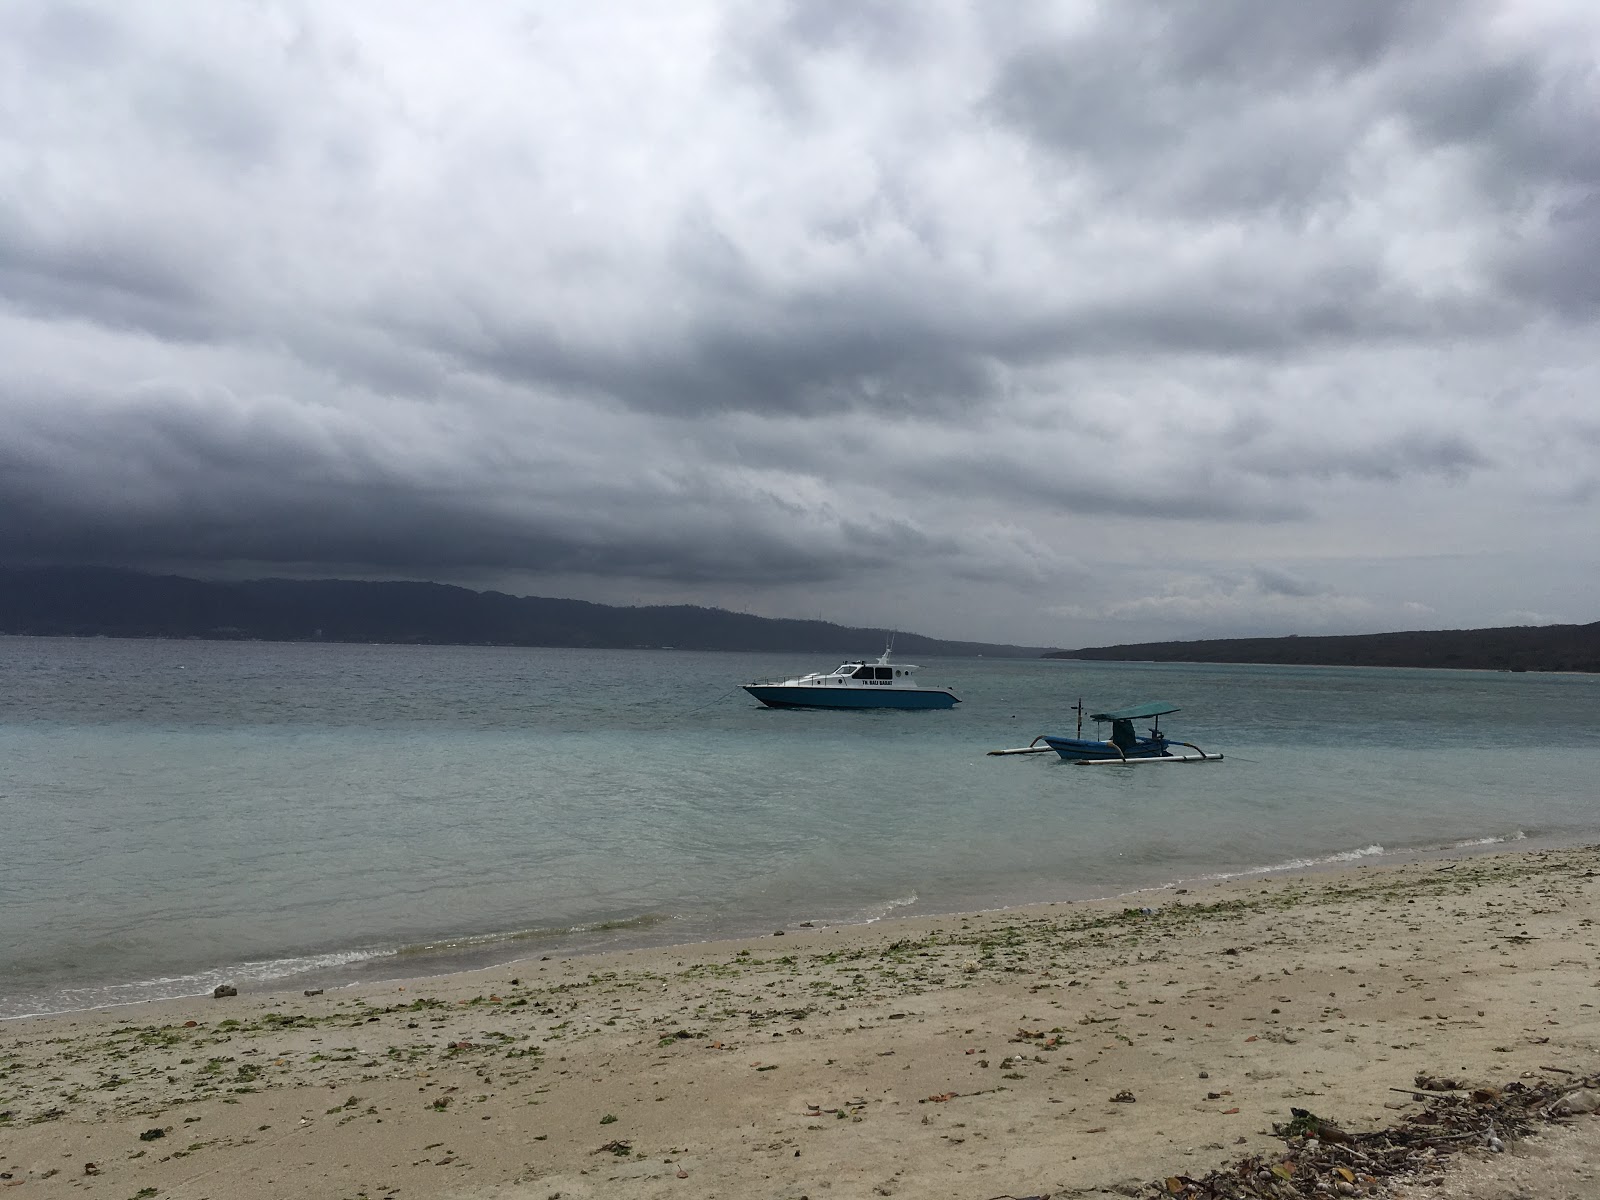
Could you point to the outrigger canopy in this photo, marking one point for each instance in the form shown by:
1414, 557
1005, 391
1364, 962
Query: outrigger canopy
1138, 712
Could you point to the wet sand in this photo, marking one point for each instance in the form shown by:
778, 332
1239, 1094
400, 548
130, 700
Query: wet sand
1059, 1049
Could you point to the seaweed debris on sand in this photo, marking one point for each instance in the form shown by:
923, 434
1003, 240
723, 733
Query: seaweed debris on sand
1320, 1158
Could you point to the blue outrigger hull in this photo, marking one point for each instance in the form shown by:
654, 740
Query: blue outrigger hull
778, 696
1125, 745
1087, 748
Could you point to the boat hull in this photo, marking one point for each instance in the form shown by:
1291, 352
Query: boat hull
1076, 749
775, 695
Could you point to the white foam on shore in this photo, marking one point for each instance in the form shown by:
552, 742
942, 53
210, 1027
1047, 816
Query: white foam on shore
1355, 855
179, 987
1302, 864
1518, 836
886, 909
278, 973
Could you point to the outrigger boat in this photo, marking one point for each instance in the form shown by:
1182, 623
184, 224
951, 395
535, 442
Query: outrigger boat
855, 684
1125, 746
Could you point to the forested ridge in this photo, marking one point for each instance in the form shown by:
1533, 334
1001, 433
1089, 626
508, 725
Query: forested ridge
1510, 648
110, 602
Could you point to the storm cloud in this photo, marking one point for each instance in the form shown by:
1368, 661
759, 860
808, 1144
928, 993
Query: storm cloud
1060, 323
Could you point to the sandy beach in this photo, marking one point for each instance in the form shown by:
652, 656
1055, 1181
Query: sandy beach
1056, 1050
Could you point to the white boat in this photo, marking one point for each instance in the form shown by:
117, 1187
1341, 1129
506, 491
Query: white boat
854, 684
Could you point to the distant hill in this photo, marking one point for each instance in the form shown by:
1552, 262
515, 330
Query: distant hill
106, 602
1514, 648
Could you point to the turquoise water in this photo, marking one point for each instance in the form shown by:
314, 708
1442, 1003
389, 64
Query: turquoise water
178, 814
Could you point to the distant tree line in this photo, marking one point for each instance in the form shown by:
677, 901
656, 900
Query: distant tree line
1513, 648
109, 602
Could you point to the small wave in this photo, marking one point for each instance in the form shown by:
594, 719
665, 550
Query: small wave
275, 972
1302, 864
475, 941
1372, 851
879, 911
1517, 836
179, 987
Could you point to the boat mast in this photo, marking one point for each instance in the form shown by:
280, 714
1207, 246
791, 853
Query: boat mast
1078, 708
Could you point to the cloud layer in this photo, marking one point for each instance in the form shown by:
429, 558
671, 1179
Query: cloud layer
1064, 323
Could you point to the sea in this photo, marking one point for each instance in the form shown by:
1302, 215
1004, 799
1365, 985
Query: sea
179, 814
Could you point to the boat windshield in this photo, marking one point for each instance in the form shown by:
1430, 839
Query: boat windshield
868, 671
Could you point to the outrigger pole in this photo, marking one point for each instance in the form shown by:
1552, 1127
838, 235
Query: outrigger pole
1199, 755
1032, 747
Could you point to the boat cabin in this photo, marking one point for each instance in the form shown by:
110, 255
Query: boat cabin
869, 673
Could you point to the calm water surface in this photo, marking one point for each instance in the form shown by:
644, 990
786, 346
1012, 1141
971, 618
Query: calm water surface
178, 814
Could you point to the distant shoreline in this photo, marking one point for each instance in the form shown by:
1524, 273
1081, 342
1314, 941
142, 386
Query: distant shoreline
1055, 656
181, 639
1221, 662
114, 602
1519, 649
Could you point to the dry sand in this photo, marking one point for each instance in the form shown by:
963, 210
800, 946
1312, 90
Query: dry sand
1055, 1050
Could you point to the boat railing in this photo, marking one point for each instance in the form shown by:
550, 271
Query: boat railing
831, 680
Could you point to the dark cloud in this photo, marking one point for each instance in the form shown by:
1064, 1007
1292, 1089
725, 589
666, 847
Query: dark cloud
1558, 267
109, 275
1282, 583
1245, 106
1349, 453
200, 108
1271, 114
181, 478
810, 355
71, 37
1141, 80
1252, 43
1072, 483
884, 30
769, 50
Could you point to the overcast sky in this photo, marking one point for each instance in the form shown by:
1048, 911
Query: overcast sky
1055, 323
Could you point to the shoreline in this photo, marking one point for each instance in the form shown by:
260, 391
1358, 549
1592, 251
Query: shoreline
962, 1055
390, 966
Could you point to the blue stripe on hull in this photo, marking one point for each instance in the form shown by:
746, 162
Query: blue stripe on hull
1087, 748
841, 697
